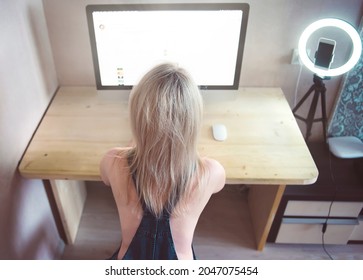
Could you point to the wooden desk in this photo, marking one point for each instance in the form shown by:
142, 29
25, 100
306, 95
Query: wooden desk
264, 147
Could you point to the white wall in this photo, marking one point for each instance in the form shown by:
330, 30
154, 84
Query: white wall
27, 83
273, 31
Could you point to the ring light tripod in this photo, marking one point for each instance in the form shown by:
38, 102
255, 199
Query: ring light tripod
319, 90
320, 75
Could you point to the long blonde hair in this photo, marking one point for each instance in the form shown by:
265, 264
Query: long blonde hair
166, 111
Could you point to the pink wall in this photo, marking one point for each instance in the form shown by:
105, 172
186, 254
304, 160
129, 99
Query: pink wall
27, 82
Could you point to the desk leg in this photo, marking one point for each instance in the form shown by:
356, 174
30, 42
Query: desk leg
263, 202
70, 197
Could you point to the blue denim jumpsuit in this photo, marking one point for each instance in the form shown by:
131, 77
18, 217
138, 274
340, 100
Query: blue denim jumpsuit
152, 240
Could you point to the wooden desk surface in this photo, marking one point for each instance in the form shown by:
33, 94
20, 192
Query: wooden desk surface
264, 144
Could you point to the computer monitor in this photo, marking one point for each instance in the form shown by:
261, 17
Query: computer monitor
206, 39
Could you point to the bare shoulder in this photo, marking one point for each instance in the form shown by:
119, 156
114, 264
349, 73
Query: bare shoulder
113, 159
114, 155
216, 174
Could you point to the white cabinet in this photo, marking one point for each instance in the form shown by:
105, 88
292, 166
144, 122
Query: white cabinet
303, 222
321, 208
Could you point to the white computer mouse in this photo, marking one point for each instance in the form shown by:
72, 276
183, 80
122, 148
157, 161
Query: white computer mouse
219, 132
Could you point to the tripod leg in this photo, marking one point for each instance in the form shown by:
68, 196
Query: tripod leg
303, 99
311, 114
319, 88
323, 111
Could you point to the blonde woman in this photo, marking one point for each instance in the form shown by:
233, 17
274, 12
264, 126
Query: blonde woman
161, 185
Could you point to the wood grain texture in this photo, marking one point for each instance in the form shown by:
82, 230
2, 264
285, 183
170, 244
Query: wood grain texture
264, 144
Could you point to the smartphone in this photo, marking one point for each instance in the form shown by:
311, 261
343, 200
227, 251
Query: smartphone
325, 53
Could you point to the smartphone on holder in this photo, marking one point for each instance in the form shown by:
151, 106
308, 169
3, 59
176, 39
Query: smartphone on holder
325, 53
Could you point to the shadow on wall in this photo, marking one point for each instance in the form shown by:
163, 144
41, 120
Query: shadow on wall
28, 230
42, 54
27, 227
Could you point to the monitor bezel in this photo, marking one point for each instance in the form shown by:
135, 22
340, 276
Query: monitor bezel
244, 7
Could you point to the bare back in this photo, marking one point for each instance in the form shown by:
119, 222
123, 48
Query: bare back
115, 172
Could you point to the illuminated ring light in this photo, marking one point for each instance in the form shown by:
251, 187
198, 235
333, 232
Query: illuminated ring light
330, 22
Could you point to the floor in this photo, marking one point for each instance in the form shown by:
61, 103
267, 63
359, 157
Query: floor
224, 232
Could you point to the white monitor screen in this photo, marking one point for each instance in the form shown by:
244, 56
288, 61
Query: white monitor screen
205, 39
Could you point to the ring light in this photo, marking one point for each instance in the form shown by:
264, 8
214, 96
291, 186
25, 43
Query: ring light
330, 22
